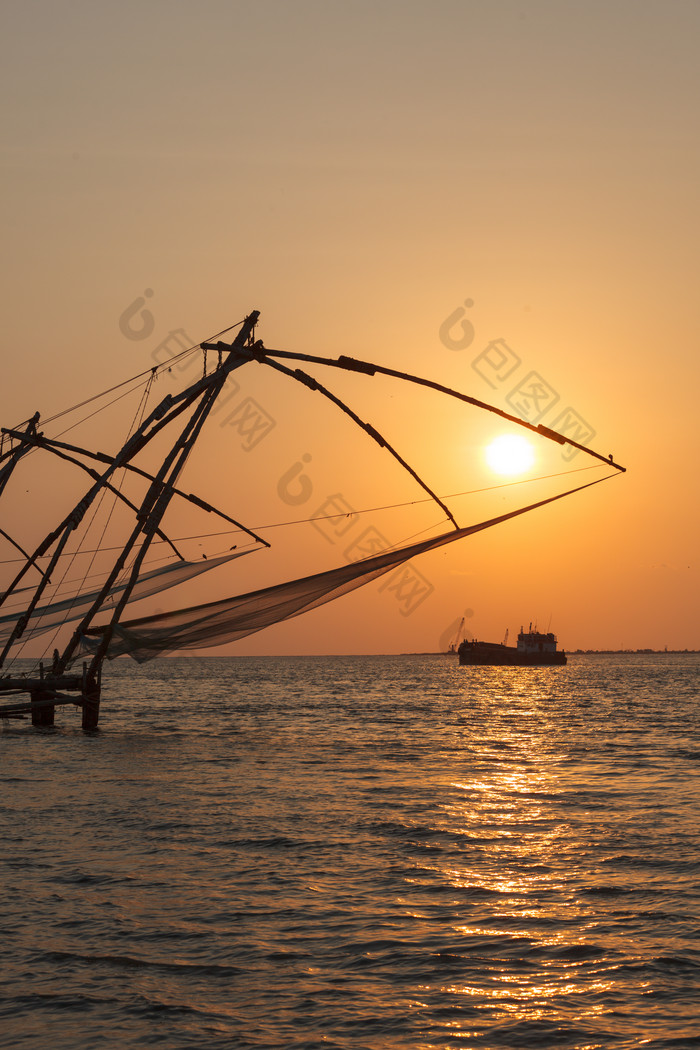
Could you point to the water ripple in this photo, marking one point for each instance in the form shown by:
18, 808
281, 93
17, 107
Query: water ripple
358, 853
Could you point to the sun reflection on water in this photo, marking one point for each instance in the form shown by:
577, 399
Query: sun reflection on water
513, 857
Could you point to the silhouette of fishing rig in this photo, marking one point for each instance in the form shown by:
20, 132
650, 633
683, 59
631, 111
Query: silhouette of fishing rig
102, 629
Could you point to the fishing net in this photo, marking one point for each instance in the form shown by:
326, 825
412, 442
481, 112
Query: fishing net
230, 619
53, 614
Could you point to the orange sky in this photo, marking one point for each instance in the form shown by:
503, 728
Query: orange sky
357, 172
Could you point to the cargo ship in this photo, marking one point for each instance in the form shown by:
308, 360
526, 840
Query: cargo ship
534, 649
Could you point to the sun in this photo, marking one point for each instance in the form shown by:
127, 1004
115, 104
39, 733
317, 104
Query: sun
510, 454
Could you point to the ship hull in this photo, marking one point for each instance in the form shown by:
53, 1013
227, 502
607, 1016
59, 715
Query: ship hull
491, 654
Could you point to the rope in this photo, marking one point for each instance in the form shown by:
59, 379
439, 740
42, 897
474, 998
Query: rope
97, 411
138, 416
139, 375
365, 510
415, 502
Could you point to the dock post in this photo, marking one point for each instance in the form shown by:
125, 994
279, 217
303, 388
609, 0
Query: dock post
91, 712
91, 702
41, 716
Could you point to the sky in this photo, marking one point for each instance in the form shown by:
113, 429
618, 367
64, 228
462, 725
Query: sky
474, 192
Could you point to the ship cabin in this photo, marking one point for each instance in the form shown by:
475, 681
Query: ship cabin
534, 642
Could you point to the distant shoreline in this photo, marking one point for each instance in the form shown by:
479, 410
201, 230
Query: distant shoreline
609, 652
632, 652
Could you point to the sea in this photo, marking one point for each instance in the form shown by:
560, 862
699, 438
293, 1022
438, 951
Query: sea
357, 852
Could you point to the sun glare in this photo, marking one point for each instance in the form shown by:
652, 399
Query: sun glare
510, 454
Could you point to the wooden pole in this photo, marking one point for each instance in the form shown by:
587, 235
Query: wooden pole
42, 713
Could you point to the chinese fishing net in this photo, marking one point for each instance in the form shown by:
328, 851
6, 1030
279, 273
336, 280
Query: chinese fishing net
53, 614
230, 619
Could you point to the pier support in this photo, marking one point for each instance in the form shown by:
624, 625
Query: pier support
91, 702
42, 713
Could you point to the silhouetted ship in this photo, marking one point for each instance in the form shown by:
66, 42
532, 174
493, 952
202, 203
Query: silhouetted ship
533, 650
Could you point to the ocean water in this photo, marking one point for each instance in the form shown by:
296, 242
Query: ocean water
357, 852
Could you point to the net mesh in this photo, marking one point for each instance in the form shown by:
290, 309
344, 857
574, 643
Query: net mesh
231, 619
53, 614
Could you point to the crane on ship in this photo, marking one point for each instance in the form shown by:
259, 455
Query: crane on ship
458, 637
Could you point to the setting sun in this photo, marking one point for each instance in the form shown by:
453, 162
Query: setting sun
510, 454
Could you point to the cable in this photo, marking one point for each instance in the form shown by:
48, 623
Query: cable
135, 423
321, 517
101, 409
139, 375
415, 502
